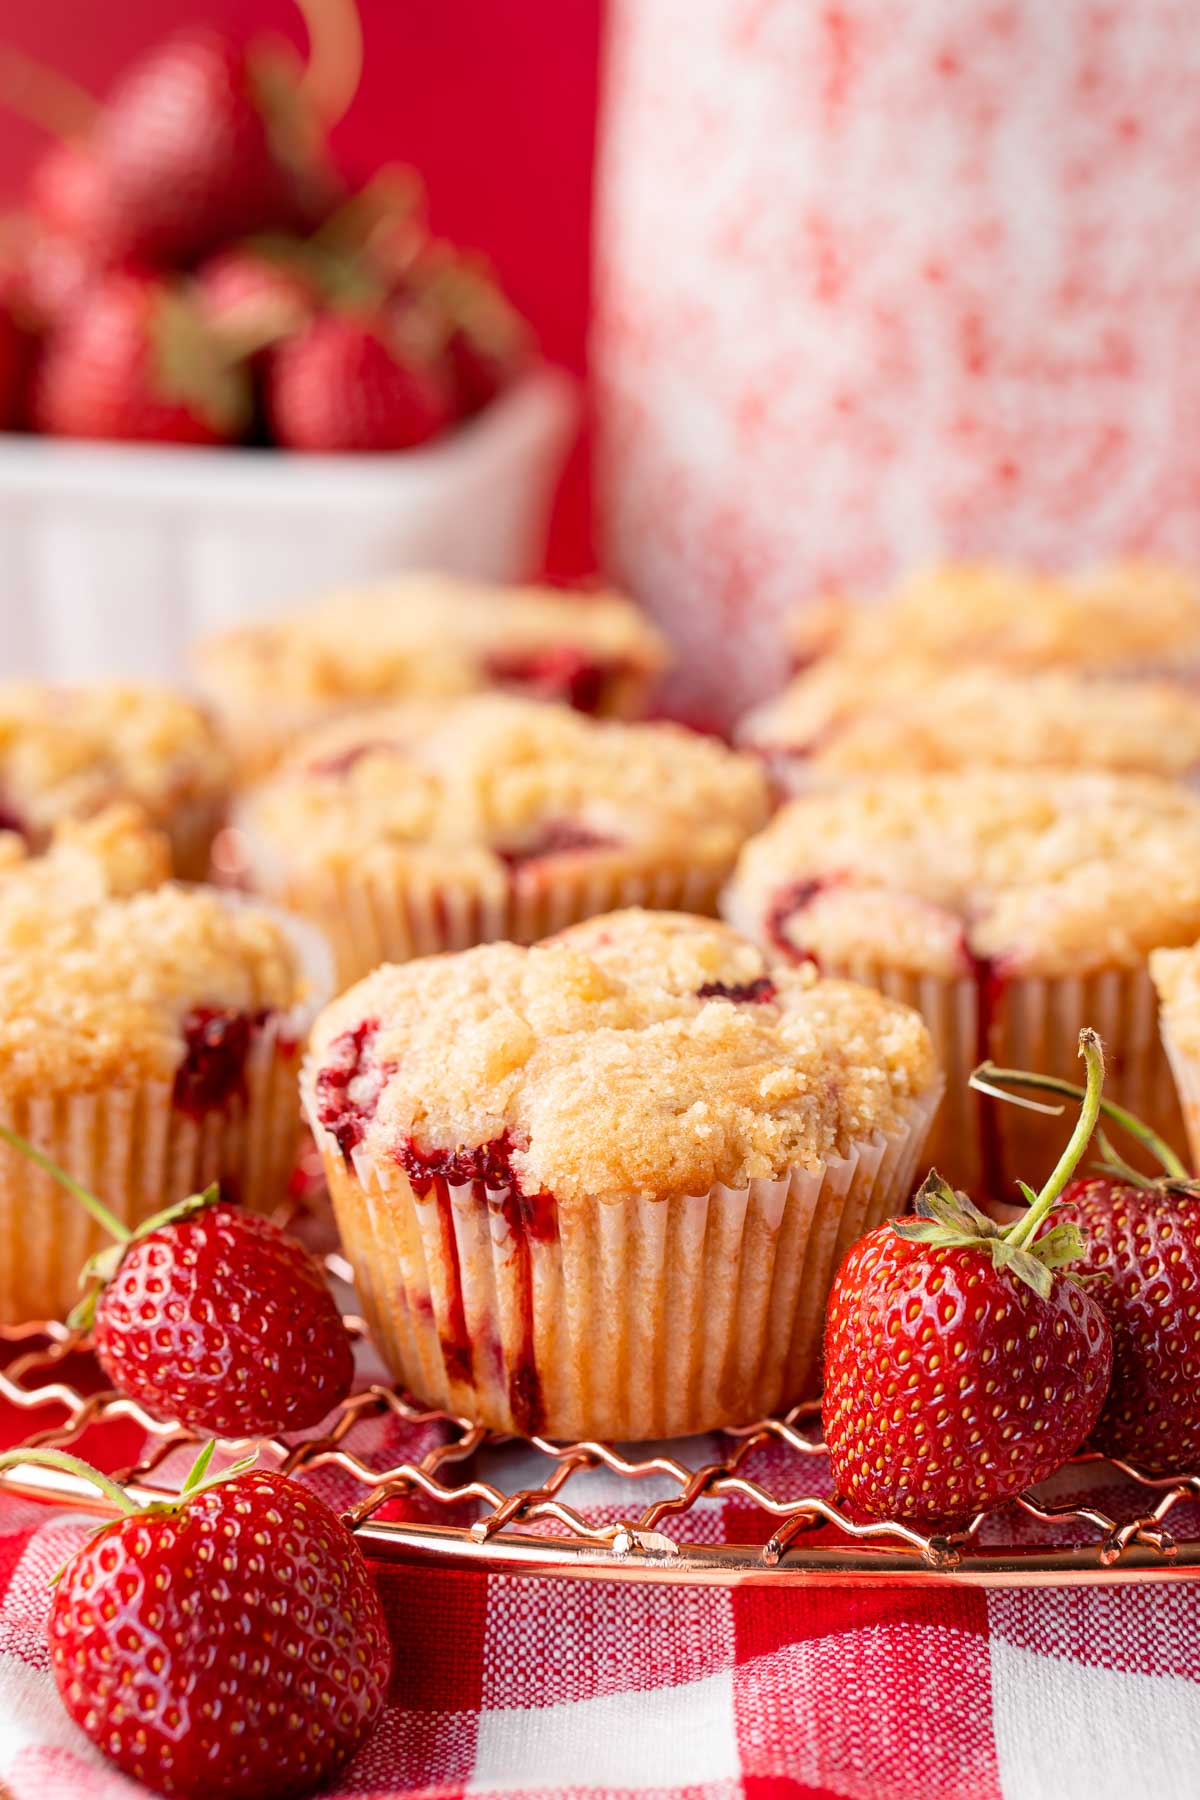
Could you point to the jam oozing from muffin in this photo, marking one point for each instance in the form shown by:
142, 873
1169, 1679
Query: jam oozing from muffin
12, 821
787, 905
562, 673
349, 1084
345, 760
561, 837
531, 1218
213, 1069
757, 992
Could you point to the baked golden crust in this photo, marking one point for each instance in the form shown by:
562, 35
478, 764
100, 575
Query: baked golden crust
472, 788
67, 752
1039, 872
841, 720
598, 1062
101, 960
1125, 617
1176, 975
424, 637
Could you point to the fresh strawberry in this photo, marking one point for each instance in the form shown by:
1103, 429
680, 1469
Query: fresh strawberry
349, 382
14, 362
486, 341
228, 1646
962, 1363
1141, 1242
213, 1316
68, 195
136, 360
261, 287
202, 141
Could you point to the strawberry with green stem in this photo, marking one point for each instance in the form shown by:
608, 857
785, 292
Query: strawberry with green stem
227, 1645
210, 1315
1141, 1244
963, 1361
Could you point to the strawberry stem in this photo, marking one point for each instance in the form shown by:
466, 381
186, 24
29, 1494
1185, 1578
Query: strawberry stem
987, 1074
72, 1465
1021, 1234
107, 1220
34, 91
335, 56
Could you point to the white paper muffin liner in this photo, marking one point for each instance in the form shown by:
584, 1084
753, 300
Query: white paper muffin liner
133, 1147
372, 913
984, 1145
1185, 1068
626, 1318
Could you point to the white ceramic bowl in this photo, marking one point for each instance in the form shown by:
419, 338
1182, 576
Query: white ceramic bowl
113, 557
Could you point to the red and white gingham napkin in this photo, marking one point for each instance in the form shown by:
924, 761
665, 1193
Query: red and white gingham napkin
529, 1687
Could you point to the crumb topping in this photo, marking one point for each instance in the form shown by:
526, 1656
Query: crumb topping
1126, 617
420, 635
101, 961
1036, 872
495, 781
592, 1064
846, 720
67, 752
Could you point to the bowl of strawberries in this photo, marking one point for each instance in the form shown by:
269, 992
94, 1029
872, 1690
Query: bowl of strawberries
228, 377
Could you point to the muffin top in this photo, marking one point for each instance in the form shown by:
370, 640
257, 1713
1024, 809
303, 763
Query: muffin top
639, 1053
1126, 617
1177, 977
109, 974
1035, 872
844, 721
432, 635
66, 752
492, 784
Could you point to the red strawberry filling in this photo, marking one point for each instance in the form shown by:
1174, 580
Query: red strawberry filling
349, 1084
531, 1218
12, 821
787, 905
743, 992
216, 1045
561, 673
561, 837
345, 760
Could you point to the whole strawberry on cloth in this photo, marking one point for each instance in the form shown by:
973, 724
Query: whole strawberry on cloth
1141, 1243
211, 1316
964, 1362
230, 1645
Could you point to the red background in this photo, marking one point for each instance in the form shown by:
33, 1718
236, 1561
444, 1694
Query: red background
493, 100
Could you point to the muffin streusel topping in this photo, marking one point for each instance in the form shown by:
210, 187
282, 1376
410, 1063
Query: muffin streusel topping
101, 962
845, 720
1041, 872
1122, 617
69, 751
497, 779
420, 635
638, 1053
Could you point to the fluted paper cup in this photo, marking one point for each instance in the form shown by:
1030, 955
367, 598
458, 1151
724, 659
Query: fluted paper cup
374, 912
1185, 1068
130, 1144
618, 1318
1027, 1022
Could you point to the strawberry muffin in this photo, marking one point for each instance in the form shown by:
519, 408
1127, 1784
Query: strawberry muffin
67, 752
1176, 976
411, 831
150, 1038
1132, 618
600, 1187
840, 722
1012, 908
425, 637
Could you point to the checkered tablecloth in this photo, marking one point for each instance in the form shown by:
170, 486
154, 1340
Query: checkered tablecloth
531, 1687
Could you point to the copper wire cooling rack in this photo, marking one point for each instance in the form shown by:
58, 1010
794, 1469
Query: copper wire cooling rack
1097, 1522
